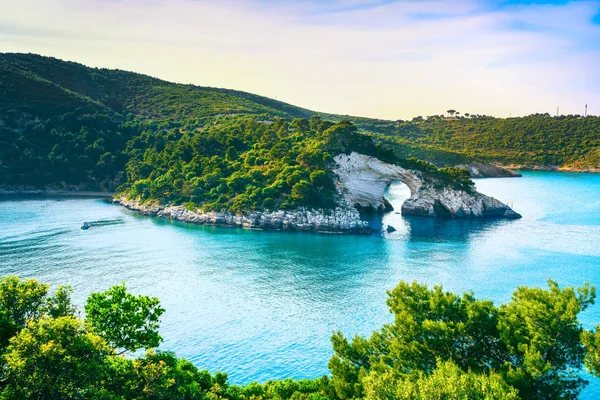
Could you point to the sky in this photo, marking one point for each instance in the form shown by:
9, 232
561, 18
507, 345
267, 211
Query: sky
392, 59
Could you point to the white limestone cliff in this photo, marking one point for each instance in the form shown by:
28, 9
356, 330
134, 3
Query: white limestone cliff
362, 181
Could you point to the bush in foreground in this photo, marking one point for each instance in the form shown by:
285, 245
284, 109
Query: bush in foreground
440, 346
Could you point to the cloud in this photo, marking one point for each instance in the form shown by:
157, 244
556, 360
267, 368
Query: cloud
389, 59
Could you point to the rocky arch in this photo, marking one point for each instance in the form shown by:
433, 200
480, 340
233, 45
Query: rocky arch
362, 181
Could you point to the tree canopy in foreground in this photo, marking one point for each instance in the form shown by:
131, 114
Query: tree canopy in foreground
440, 346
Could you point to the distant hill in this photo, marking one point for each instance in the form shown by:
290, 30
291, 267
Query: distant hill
30, 82
569, 142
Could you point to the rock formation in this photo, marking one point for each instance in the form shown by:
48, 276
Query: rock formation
483, 170
362, 180
345, 219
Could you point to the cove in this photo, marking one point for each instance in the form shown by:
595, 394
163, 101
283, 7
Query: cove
262, 305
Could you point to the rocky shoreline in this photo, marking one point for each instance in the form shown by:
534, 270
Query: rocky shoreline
53, 190
552, 168
484, 170
362, 180
339, 220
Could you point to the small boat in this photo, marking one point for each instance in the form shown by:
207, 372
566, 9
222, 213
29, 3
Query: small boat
85, 226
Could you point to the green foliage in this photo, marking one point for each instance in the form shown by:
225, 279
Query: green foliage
591, 341
543, 340
447, 381
22, 300
124, 320
25, 300
162, 376
60, 305
237, 164
533, 342
569, 141
55, 358
440, 346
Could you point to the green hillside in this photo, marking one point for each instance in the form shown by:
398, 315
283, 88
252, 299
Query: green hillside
62, 122
570, 142
121, 92
65, 122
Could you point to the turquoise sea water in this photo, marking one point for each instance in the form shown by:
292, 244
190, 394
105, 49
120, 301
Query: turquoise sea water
262, 305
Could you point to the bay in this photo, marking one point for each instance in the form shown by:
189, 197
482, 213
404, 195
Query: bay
262, 305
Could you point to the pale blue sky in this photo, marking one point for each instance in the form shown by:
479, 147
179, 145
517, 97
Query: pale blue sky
379, 58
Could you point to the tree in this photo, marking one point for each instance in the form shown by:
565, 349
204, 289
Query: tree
55, 358
59, 304
535, 342
161, 375
22, 300
302, 190
447, 381
126, 321
320, 179
542, 335
26, 300
451, 112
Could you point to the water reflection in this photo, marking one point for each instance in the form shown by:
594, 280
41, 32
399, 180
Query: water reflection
449, 230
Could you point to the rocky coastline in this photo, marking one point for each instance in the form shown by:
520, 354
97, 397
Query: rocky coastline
553, 168
362, 181
447, 203
338, 220
56, 190
484, 170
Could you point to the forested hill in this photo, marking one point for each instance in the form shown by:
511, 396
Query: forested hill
42, 85
569, 142
65, 123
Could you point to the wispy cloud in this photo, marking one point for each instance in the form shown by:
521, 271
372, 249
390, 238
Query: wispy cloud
382, 58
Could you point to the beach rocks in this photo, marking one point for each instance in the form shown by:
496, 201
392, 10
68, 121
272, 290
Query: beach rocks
338, 220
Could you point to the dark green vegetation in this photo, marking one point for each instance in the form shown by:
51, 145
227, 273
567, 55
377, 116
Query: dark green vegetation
65, 124
439, 346
239, 164
571, 142
208, 148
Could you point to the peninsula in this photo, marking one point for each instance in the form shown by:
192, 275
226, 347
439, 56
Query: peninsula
218, 156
